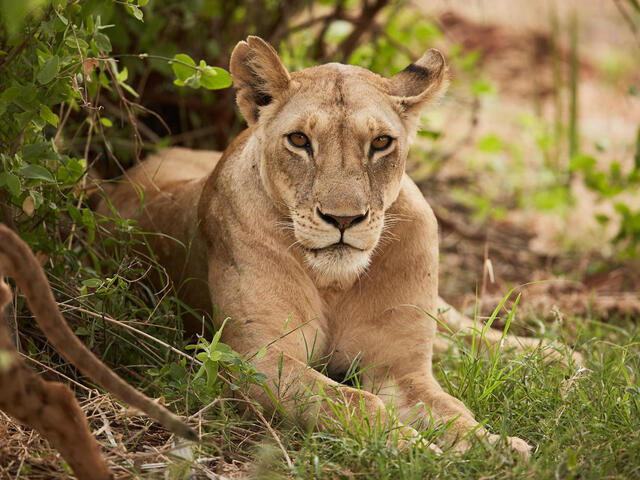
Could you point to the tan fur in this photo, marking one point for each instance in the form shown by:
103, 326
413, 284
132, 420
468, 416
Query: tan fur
273, 265
50, 407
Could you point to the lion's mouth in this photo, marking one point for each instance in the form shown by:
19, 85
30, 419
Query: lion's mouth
338, 247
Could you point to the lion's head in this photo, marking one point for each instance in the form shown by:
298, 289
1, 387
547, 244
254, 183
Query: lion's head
332, 142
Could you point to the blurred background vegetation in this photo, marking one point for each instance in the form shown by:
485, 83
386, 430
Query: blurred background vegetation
531, 162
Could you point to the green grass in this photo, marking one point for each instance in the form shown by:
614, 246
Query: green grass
582, 422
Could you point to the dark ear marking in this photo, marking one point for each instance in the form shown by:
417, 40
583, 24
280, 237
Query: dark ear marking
418, 71
262, 99
258, 76
420, 82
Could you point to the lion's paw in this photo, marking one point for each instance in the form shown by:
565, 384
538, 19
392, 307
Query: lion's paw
410, 436
517, 445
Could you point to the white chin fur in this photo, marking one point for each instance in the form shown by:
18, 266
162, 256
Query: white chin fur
338, 268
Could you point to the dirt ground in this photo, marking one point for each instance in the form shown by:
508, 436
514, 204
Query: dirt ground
526, 244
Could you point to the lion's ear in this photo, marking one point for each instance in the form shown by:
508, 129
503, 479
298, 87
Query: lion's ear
421, 82
258, 76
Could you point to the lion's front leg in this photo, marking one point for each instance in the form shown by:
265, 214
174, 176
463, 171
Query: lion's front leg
421, 398
401, 374
297, 392
396, 350
306, 396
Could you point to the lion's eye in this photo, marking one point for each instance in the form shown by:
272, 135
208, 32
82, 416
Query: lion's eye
299, 140
381, 142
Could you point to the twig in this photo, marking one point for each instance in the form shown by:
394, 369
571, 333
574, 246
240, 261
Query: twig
318, 49
150, 134
132, 118
85, 91
64, 116
135, 330
214, 403
153, 114
275, 436
364, 22
83, 181
143, 78
107, 146
7, 212
15, 53
46, 367
106, 427
192, 134
312, 21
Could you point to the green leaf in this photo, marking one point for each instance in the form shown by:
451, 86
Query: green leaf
35, 151
12, 182
87, 218
176, 371
183, 72
49, 70
92, 282
427, 133
581, 162
214, 356
48, 116
552, 199
62, 18
129, 89
214, 78
135, 11
212, 373
22, 119
75, 42
106, 122
490, 144
36, 172
102, 42
482, 87
122, 75
38, 199
11, 94
142, 3
13, 15
193, 81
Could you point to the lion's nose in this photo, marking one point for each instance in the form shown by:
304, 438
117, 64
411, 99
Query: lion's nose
342, 222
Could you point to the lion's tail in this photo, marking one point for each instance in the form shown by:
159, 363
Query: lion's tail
18, 262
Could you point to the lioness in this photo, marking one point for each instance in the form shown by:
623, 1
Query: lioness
312, 239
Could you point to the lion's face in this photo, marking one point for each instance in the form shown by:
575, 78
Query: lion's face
332, 142
334, 157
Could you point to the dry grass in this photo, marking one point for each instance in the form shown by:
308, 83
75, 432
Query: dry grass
133, 446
